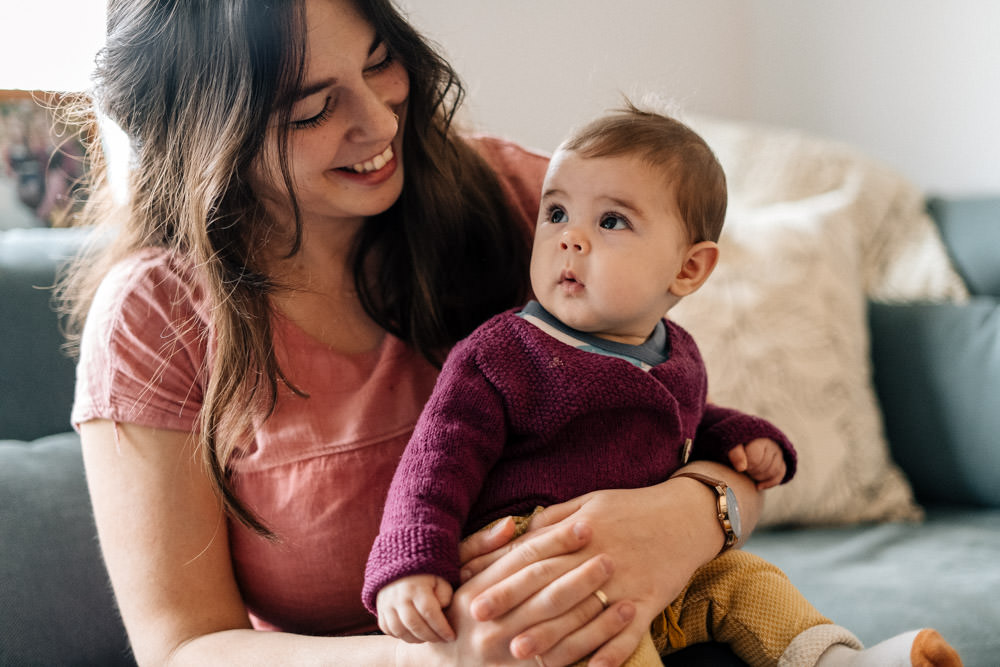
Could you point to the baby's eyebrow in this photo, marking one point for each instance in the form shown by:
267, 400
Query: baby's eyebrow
622, 203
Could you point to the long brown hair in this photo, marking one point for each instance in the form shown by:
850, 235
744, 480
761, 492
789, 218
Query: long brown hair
195, 84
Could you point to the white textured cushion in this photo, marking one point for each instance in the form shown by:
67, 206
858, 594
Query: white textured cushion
814, 230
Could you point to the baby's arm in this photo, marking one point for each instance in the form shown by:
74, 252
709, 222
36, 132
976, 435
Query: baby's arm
762, 459
410, 608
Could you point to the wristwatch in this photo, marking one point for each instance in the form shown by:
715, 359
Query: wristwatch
728, 508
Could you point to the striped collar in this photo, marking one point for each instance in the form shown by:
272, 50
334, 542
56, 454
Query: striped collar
654, 351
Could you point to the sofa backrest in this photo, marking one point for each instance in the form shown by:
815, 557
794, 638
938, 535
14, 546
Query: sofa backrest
969, 227
937, 365
57, 605
38, 375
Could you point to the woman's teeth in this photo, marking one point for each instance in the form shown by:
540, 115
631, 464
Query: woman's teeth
375, 163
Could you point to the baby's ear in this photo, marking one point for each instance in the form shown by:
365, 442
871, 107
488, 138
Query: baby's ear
698, 265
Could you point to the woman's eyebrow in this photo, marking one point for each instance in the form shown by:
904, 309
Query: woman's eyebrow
312, 89
315, 87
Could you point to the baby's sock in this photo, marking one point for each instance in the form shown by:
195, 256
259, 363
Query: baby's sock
833, 646
807, 647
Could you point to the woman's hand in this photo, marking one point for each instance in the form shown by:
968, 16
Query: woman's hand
653, 539
548, 586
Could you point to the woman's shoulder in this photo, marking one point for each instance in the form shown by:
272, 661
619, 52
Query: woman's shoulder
520, 170
152, 277
498, 150
511, 161
145, 336
150, 295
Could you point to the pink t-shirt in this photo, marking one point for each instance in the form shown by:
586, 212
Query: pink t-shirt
318, 469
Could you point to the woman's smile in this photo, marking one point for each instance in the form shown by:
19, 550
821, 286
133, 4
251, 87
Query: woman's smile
373, 171
375, 163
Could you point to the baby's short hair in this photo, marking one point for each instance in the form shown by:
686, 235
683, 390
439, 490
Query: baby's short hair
688, 164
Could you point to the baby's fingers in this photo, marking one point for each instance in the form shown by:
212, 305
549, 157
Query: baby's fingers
390, 623
772, 478
738, 458
424, 621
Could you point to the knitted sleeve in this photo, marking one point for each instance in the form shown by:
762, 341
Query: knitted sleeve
458, 437
721, 429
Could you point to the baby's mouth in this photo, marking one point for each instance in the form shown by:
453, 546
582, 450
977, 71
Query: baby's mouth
567, 277
373, 164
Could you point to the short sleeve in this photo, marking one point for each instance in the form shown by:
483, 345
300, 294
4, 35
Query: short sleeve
144, 346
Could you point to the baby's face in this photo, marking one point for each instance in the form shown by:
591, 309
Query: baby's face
608, 245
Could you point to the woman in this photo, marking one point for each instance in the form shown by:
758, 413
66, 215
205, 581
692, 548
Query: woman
305, 237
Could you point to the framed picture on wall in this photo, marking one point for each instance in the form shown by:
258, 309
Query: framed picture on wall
41, 161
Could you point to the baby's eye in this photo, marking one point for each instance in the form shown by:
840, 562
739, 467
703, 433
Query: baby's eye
557, 215
614, 221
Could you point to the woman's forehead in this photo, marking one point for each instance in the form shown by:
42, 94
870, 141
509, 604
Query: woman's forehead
337, 36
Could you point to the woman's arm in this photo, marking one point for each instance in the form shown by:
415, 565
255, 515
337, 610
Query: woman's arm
655, 539
164, 539
163, 535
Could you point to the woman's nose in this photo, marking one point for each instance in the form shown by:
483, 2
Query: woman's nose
375, 123
573, 240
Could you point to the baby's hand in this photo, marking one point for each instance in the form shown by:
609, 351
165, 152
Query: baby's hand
411, 609
762, 459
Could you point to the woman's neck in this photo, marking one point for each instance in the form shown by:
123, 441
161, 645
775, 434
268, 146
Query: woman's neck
316, 291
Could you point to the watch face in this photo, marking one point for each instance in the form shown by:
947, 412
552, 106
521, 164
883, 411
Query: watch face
734, 514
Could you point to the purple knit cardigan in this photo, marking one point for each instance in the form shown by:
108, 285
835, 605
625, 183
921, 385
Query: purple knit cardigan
519, 419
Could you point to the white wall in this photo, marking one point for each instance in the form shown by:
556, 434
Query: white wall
49, 44
915, 83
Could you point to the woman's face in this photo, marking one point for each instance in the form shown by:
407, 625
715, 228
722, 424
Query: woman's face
345, 143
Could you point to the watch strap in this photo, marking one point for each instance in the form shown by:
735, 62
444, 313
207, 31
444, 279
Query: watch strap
721, 504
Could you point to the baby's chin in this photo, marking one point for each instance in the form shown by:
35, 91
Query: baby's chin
593, 324
574, 313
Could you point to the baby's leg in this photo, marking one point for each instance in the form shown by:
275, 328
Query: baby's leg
741, 600
748, 603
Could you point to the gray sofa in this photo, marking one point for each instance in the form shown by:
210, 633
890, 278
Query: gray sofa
937, 371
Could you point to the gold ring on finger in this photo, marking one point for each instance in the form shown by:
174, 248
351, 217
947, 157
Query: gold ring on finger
538, 659
599, 594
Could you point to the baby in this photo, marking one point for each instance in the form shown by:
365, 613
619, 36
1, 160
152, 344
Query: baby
590, 387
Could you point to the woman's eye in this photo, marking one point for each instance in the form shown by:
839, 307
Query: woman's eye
316, 120
383, 59
557, 215
614, 221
